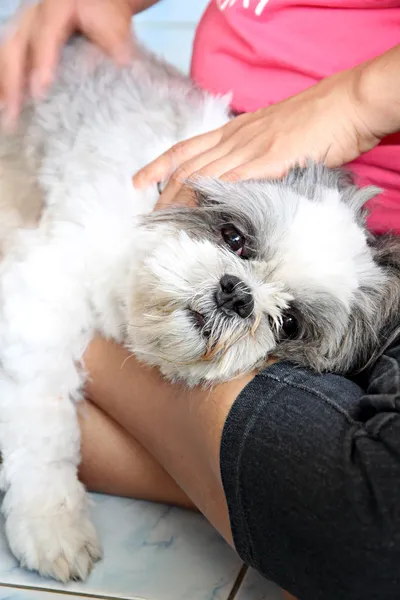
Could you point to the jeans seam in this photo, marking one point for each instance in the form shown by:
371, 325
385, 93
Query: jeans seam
388, 418
314, 393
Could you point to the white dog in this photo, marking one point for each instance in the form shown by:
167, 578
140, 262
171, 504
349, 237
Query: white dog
283, 267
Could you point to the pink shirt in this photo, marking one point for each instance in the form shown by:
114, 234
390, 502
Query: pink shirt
264, 51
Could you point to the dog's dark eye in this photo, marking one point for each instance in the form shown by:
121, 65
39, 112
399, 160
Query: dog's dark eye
235, 240
290, 326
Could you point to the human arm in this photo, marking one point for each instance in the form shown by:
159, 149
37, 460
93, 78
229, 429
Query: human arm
114, 462
31, 46
181, 428
334, 121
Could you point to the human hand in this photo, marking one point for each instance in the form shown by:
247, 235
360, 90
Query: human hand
327, 122
31, 46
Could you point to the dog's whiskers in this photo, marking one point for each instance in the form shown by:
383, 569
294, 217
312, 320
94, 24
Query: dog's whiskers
256, 325
131, 355
222, 345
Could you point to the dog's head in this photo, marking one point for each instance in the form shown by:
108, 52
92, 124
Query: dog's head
261, 269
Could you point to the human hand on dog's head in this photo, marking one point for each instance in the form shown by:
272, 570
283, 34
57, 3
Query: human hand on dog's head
31, 46
332, 122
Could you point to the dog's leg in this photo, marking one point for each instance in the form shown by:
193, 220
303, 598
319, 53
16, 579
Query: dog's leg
44, 329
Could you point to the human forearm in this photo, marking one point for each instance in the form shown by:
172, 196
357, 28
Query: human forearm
113, 462
377, 89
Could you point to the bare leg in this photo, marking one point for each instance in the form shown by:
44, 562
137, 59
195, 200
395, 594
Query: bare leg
113, 462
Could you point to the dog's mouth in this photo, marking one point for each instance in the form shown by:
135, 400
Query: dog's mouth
217, 343
200, 322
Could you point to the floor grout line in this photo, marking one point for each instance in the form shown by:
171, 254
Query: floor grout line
238, 582
70, 593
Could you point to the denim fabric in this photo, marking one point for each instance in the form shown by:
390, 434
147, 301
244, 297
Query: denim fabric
311, 469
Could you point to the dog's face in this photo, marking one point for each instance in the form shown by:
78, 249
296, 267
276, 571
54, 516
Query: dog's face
260, 269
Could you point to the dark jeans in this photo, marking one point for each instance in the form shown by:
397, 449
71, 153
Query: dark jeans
311, 470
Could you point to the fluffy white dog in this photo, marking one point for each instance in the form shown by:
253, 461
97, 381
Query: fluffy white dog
283, 267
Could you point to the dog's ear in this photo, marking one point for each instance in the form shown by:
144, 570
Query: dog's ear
375, 321
210, 192
387, 256
358, 197
309, 180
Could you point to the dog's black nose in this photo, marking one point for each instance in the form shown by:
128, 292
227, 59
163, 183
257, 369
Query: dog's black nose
234, 296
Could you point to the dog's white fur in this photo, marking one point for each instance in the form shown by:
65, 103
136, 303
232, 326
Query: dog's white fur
66, 278
77, 258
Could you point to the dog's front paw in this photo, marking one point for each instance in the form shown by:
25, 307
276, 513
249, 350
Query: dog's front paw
58, 541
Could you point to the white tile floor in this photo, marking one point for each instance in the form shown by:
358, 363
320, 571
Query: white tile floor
151, 552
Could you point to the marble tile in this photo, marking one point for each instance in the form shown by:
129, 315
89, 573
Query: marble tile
150, 551
9, 593
255, 587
